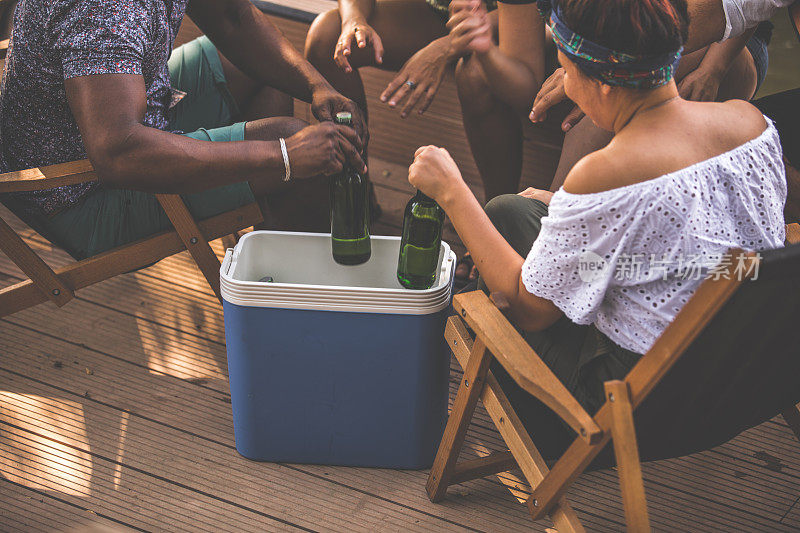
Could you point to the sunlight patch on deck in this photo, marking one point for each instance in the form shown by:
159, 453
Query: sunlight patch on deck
44, 456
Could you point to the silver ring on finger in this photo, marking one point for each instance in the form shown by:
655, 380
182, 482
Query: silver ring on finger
411, 84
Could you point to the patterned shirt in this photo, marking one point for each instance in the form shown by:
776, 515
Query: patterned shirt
55, 40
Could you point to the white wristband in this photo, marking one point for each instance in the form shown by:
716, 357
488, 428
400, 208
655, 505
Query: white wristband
285, 160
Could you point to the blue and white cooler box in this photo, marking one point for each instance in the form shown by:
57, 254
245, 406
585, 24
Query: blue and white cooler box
334, 364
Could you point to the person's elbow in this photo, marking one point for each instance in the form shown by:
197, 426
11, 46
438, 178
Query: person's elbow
536, 318
114, 161
535, 322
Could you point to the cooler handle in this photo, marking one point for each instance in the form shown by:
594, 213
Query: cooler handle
228, 263
448, 263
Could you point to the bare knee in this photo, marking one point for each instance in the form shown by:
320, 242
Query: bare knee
741, 80
322, 37
473, 89
270, 129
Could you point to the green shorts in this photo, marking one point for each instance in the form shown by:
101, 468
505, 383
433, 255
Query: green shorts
108, 218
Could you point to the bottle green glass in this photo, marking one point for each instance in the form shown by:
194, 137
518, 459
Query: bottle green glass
350, 241
420, 243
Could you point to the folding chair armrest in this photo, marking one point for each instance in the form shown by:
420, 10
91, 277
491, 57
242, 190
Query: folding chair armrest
49, 177
793, 233
522, 363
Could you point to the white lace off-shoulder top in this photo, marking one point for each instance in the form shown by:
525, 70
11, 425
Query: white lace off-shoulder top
628, 259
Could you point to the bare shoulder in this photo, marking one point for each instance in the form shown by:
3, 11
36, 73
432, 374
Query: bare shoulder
665, 144
746, 120
598, 171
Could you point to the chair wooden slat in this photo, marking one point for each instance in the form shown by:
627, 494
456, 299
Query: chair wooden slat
793, 233
522, 362
133, 256
457, 424
42, 178
33, 266
193, 239
626, 451
709, 298
482, 467
505, 418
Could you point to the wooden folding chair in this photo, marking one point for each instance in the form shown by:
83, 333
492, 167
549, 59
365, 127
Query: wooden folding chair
59, 286
728, 362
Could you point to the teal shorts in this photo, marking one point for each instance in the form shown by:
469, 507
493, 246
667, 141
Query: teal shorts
108, 218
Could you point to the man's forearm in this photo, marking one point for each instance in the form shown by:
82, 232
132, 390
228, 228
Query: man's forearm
152, 160
355, 9
251, 42
720, 56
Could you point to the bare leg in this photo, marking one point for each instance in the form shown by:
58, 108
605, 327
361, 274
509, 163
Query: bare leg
405, 27
255, 101
493, 129
741, 80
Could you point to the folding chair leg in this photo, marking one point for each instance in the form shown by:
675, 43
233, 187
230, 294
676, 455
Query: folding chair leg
792, 418
626, 450
229, 241
524, 453
193, 239
458, 423
33, 266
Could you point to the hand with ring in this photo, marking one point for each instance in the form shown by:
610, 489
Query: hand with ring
418, 81
364, 35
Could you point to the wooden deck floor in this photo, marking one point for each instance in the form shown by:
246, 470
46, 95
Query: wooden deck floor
115, 415
115, 411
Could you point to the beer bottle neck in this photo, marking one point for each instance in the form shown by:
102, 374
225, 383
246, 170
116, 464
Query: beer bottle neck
422, 198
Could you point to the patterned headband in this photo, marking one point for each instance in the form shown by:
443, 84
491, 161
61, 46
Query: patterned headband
610, 66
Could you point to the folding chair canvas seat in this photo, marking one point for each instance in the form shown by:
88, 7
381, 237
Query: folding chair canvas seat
59, 286
728, 362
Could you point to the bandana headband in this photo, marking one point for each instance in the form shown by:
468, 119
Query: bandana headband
612, 67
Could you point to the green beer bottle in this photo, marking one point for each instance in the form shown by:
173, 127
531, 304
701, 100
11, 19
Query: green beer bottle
419, 246
350, 242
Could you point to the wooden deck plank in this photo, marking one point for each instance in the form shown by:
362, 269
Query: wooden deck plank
30, 511
54, 315
148, 453
47, 321
135, 391
792, 518
197, 418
